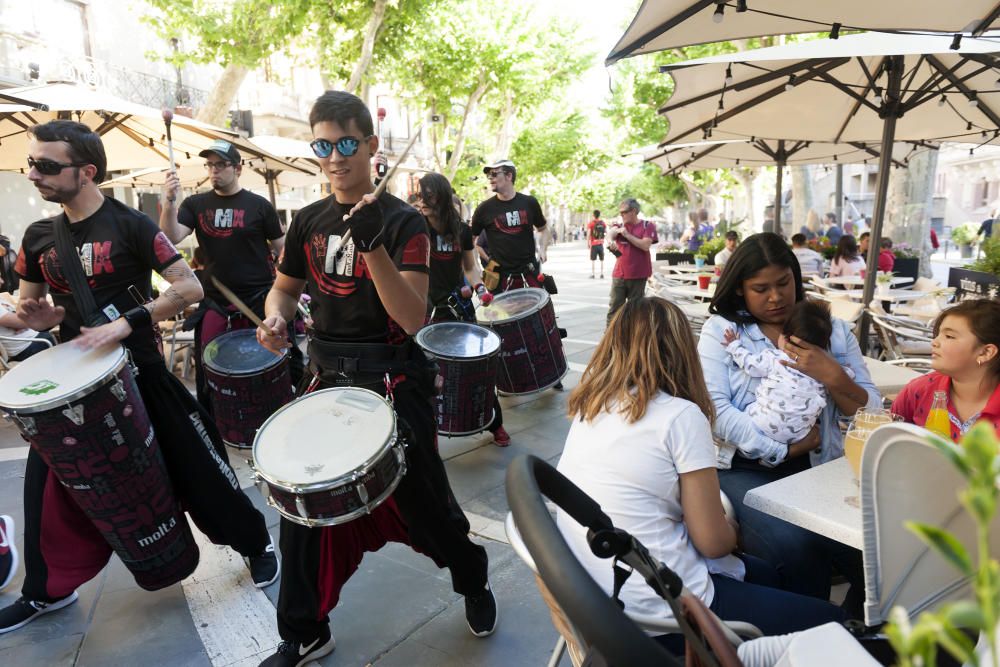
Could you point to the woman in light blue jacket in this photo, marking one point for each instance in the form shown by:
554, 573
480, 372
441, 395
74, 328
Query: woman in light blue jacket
761, 282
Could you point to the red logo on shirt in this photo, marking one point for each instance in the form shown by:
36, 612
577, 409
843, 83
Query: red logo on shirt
163, 248
511, 222
417, 250
220, 222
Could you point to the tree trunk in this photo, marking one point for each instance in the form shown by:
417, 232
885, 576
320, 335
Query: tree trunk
367, 46
802, 198
470, 108
911, 219
505, 137
746, 177
222, 95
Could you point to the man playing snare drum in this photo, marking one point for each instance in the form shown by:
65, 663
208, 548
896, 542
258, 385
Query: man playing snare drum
118, 247
367, 302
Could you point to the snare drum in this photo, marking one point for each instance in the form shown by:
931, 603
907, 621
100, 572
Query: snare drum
467, 358
329, 457
82, 413
247, 382
531, 351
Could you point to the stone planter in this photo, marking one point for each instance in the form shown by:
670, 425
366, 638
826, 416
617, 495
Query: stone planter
971, 284
966, 249
673, 258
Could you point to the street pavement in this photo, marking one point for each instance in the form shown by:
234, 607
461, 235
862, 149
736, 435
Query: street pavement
398, 609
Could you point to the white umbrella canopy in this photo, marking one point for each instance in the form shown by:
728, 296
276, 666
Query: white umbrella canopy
668, 24
134, 135
836, 94
756, 152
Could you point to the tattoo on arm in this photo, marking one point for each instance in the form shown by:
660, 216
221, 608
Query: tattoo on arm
171, 301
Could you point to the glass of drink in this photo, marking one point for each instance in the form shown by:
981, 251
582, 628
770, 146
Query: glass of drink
704, 280
865, 421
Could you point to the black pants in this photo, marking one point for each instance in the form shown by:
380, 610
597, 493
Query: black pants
422, 512
62, 548
625, 289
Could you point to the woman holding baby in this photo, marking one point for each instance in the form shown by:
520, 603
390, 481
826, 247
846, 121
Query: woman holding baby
752, 336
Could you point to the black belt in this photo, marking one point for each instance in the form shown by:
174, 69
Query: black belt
364, 359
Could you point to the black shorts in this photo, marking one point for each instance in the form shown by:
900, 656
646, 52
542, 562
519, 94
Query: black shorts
597, 252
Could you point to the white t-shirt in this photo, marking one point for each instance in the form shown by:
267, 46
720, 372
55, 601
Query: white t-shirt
632, 471
843, 267
26, 335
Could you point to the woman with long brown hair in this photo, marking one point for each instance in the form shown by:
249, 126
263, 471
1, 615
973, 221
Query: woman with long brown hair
641, 446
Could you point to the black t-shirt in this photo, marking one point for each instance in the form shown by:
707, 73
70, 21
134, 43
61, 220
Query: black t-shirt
234, 231
345, 305
119, 248
446, 263
508, 226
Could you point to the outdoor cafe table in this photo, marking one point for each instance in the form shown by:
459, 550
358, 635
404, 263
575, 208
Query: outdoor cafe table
684, 268
858, 280
824, 499
894, 295
692, 292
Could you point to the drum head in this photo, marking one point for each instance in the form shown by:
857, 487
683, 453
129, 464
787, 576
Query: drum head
57, 375
239, 353
322, 436
512, 305
458, 340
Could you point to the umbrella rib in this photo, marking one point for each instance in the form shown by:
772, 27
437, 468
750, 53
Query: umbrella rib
763, 97
915, 102
987, 21
137, 138
115, 120
744, 85
913, 73
658, 30
960, 85
847, 90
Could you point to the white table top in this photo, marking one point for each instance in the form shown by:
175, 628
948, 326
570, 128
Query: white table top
824, 499
889, 379
685, 268
858, 280
893, 295
693, 292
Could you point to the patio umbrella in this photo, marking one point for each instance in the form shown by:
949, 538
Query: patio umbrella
133, 134
660, 25
856, 88
265, 170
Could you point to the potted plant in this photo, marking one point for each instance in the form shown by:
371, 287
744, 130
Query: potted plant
907, 261
883, 280
710, 248
964, 236
977, 458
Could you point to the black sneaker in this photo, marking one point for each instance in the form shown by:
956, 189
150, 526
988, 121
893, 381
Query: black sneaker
481, 612
8, 551
24, 611
264, 568
294, 654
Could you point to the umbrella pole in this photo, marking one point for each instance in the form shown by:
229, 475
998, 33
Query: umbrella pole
895, 75
838, 205
269, 177
777, 200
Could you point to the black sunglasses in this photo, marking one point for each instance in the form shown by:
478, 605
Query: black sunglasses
51, 167
346, 146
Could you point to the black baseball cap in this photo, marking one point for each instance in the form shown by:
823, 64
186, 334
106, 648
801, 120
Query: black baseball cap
223, 149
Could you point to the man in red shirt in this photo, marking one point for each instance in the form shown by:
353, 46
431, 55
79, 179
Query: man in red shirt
595, 241
634, 266
886, 258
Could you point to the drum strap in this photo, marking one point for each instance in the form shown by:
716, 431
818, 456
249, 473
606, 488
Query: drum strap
72, 269
367, 363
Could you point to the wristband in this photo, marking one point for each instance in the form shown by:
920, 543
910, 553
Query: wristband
138, 317
479, 288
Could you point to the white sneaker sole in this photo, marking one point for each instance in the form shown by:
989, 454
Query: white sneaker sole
8, 530
55, 606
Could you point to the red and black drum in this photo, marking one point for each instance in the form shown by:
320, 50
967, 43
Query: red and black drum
531, 351
82, 412
329, 457
467, 356
247, 382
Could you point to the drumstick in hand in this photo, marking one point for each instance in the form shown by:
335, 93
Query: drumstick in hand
335, 250
242, 307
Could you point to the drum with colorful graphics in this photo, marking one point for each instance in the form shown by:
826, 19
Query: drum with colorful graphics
82, 413
531, 351
247, 382
467, 356
329, 457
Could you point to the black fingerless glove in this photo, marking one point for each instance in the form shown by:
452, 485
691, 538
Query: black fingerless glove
367, 226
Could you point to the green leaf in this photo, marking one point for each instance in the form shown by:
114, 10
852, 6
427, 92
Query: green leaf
944, 543
981, 504
964, 614
981, 446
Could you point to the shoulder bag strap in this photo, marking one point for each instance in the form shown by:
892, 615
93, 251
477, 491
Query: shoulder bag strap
72, 269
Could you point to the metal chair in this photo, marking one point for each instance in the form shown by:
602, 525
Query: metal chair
901, 338
5, 362
179, 340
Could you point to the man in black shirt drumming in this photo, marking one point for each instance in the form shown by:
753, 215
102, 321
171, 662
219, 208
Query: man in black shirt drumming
240, 234
367, 302
119, 248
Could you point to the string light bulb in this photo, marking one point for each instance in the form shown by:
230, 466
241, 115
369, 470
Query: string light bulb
942, 101
835, 31
720, 12
878, 95
956, 41
791, 82
741, 6
729, 75
973, 101
722, 107
968, 126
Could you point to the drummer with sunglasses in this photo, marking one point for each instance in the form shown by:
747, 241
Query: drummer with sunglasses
367, 302
241, 236
119, 247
